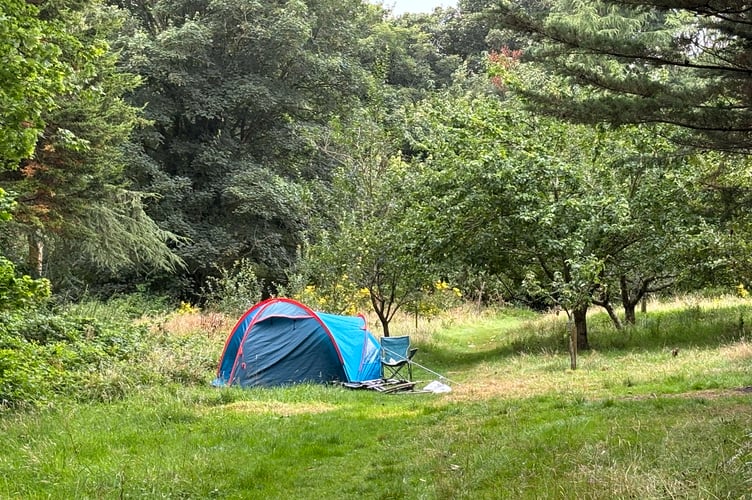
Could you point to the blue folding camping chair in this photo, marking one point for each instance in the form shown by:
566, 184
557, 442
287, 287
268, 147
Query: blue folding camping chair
396, 354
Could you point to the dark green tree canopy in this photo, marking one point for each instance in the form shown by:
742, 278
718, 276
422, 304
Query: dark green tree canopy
76, 218
686, 63
238, 92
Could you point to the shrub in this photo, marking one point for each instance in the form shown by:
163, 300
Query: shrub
341, 297
20, 292
234, 290
24, 378
43, 354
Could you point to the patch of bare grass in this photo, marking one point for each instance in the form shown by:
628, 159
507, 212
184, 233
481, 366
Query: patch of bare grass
276, 408
689, 301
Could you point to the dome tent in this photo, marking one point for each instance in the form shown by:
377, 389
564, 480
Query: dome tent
281, 341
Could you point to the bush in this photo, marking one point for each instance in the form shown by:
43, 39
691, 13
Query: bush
93, 352
341, 297
43, 354
24, 378
234, 290
20, 292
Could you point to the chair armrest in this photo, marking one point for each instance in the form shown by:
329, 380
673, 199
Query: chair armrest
412, 352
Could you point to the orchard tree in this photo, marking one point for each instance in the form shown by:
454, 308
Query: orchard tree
684, 64
515, 191
719, 254
661, 185
679, 238
559, 205
680, 62
374, 238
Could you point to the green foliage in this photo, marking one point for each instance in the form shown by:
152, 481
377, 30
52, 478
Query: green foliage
436, 299
32, 73
121, 307
655, 61
406, 54
235, 289
7, 205
74, 205
20, 292
565, 213
484, 287
342, 296
46, 355
569, 288
377, 246
93, 352
238, 92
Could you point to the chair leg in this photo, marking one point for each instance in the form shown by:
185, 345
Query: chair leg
394, 372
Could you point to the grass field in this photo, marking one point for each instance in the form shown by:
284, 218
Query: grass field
633, 421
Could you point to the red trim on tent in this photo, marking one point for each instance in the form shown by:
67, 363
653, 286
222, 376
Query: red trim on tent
263, 305
232, 332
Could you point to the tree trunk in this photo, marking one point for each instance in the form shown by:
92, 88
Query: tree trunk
580, 325
385, 327
628, 301
629, 313
605, 303
35, 259
378, 307
572, 346
612, 314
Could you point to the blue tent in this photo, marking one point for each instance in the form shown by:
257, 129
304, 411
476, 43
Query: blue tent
281, 341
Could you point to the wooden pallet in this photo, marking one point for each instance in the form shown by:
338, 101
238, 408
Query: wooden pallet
386, 386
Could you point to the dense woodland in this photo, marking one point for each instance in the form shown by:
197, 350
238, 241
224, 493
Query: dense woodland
559, 153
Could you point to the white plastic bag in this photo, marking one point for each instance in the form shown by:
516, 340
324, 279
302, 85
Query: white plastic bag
437, 387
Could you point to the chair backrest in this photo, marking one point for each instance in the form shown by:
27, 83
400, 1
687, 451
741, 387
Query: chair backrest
394, 349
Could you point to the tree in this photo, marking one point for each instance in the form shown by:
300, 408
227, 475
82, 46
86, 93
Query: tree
567, 209
17, 292
505, 195
680, 62
239, 94
74, 202
660, 183
375, 240
31, 75
718, 253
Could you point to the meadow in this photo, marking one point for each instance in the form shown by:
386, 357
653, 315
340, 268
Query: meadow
662, 409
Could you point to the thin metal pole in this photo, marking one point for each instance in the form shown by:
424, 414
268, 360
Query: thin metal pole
398, 355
